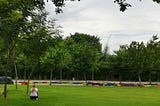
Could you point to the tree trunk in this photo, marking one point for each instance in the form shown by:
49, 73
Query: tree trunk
93, 75
16, 74
51, 78
150, 78
106, 76
120, 78
60, 75
139, 78
40, 77
29, 77
27, 90
77, 76
85, 78
6, 72
15, 69
24, 76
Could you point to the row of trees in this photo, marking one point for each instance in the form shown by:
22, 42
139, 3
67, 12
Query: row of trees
78, 53
139, 59
80, 56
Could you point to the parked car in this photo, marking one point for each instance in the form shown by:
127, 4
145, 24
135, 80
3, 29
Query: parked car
9, 80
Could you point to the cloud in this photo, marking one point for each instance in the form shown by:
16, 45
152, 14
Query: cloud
123, 38
103, 18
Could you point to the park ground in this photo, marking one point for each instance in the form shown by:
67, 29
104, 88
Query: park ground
83, 96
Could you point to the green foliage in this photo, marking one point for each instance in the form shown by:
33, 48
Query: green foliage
139, 58
85, 50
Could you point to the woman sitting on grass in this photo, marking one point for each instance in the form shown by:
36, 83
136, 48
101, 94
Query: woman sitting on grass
34, 93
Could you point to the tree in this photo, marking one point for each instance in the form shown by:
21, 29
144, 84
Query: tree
121, 60
152, 53
63, 57
49, 61
14, 14
2, 56
105, 62
141, 60
57, 57
137, 58
36, 41
85, 50
10, 23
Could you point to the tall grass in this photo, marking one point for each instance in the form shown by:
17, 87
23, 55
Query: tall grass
84, 96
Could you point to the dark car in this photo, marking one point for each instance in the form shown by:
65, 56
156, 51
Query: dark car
9, 80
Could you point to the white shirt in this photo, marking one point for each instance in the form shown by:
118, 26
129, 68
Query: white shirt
35, 92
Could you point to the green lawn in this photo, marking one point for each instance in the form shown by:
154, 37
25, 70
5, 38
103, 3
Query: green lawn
84, 96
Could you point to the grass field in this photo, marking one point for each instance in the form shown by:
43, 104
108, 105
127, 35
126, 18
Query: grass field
84, 96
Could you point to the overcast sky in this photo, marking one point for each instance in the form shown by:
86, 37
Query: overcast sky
102, 18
